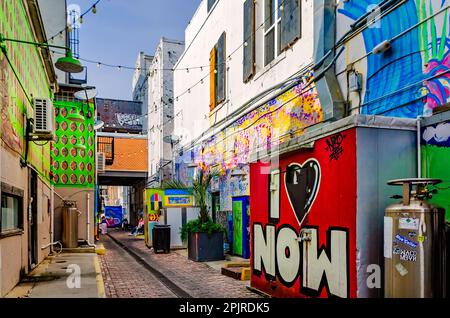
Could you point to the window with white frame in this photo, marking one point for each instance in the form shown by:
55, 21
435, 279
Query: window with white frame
272, 28
11, 219
282, 26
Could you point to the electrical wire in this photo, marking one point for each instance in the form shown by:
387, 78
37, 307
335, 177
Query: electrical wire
92, 8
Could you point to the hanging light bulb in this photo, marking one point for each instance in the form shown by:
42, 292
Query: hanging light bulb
69, 28
99, 64
61, 35
94, 9
201, 68
187, 70
81, 19
215, 71
189, 90
245, 43
119, 68
201, 81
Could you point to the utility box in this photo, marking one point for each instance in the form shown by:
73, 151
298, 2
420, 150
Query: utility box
414, 243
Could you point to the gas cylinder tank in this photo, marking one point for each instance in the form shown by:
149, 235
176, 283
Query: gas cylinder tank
414, 243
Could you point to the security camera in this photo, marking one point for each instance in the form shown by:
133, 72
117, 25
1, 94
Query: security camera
382, 47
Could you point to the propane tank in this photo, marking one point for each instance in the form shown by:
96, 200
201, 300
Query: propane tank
70, 215
414, 243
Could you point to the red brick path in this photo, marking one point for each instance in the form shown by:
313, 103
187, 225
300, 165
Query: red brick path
125, 278
197, 279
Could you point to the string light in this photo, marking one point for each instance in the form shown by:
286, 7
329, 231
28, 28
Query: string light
69, 28
201, 81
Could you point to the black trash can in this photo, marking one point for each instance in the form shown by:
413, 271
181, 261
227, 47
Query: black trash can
161, 238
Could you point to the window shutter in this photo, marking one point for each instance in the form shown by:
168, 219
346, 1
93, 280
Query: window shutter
249, 37
210, 4
221, 69
212, 80
290, 23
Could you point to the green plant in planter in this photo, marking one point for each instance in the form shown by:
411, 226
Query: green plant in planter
204, 224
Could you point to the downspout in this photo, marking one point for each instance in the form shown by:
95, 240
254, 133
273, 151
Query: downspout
88, 222
419, 149
52, 225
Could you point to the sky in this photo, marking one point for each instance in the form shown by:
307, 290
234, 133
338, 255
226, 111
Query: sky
120, 30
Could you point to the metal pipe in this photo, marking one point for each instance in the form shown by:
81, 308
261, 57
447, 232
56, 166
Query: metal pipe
52, 216
88, 222
419, 150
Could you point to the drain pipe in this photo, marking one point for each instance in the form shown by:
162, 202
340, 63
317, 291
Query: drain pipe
419, 150
88, 222
52, 226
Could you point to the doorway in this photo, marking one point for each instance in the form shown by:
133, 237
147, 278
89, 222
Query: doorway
32, 220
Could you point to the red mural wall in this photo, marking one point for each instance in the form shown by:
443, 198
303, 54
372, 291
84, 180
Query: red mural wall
315, 188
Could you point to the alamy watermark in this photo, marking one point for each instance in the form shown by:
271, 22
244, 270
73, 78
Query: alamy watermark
73, 281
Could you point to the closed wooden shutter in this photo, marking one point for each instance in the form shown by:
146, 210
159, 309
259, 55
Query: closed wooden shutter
290, 23
212, 79
221, 69
249, 38
211, 4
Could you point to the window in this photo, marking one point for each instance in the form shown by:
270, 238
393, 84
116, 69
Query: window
211, 4
249, 39
282, 26
272, 27
218, 72
11, 218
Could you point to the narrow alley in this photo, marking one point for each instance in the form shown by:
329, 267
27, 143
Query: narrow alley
146, 275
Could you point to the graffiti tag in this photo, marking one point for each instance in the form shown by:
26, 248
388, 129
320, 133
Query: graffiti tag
334, 146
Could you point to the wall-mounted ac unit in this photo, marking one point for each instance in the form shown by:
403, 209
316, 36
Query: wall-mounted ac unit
44, 118
101, 162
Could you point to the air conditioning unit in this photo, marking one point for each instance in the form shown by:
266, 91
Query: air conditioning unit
44, 118
101, 162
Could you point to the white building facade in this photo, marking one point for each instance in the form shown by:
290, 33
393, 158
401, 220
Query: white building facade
240, 85
155, 89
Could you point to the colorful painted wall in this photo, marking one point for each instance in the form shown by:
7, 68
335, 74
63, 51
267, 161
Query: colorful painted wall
313, 191
71, 165
436, 161
284, 117
412, 78
14, 102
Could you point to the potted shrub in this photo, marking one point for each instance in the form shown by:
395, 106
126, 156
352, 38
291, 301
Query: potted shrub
204, 237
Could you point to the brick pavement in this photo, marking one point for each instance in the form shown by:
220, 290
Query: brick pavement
126, 278
197, 279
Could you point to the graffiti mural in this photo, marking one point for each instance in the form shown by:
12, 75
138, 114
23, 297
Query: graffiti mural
303, 223
14, 102
119, 114
436, 160
412, 78
282, 118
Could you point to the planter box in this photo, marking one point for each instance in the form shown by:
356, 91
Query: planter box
205, 248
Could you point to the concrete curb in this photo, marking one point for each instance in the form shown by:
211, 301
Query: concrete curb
99, 278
